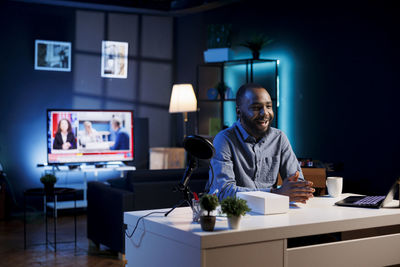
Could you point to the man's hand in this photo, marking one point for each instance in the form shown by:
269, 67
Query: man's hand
298, 191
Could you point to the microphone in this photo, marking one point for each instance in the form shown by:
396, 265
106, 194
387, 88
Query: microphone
188, 172
197, 147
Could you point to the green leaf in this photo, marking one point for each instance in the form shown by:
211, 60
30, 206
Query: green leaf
233, 206
209, 202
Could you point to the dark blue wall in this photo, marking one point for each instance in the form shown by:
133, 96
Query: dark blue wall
24, 95
27, 93
339, 78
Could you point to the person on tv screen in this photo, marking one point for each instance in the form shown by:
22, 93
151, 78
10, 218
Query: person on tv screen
64, 138
90, 135
121, 137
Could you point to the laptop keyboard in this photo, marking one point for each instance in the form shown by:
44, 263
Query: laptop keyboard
370, 200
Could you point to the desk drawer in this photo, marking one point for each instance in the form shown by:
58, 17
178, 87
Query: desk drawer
372, 251
249, 255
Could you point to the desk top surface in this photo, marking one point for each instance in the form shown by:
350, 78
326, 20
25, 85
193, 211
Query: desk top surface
318, 216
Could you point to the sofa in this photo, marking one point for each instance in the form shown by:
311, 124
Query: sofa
140, 190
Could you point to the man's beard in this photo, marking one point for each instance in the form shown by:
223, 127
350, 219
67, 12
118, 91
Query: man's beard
252, 126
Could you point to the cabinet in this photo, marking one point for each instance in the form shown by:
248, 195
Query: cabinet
218, 110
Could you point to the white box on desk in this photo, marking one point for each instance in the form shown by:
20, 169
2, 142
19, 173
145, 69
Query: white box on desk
265, 203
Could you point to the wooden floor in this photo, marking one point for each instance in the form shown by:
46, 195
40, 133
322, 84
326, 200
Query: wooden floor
12, 251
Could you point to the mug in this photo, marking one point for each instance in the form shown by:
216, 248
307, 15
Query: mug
334, 185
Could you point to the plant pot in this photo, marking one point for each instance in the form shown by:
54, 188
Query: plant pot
49, 188
207, 222
234, 222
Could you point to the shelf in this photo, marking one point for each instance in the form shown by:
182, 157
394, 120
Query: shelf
237, 62
68, 204
77, 186
233, 73
215, 100
219, 100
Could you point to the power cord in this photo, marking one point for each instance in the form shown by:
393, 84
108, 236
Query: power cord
137, 223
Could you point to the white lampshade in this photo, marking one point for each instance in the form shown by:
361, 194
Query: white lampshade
183, 99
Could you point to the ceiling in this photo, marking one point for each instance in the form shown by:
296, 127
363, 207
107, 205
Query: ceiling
161, 7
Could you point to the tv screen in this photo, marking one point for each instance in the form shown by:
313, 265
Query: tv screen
78, 136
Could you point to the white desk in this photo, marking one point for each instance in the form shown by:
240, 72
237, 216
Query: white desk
262, 240
83, 186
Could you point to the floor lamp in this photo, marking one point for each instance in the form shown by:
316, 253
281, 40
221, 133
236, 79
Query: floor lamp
183, 100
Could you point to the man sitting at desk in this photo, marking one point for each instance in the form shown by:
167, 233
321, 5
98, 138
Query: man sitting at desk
250, 153
121, 137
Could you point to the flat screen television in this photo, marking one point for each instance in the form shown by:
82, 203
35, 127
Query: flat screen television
89, 136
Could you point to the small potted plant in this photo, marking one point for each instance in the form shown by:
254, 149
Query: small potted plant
256, 43
221, 87
48, 180
218, 43
234, 208
208, 203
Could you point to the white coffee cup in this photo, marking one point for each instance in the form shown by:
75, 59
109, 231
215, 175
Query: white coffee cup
334, 185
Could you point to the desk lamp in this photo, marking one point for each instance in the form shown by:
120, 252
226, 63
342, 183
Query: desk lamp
183, 100
197, 148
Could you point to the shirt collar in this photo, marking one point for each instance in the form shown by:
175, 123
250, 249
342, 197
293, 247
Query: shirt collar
247, 137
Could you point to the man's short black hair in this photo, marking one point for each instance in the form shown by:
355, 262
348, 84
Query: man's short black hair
242, 90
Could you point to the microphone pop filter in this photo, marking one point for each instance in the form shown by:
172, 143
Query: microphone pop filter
199, 147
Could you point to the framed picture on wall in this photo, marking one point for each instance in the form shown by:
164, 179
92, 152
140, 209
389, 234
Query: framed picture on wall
52, 55
114, 59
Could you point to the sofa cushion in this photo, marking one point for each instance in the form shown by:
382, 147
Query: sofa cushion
169, 175
120, 183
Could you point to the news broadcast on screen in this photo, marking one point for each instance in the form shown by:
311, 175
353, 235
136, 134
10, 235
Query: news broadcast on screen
79, 136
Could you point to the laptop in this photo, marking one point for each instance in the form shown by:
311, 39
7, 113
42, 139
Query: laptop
374, 202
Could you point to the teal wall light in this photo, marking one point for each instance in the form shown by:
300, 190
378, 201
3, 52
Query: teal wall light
235, 77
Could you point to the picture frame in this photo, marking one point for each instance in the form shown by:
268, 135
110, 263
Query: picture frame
52, 55
114, 59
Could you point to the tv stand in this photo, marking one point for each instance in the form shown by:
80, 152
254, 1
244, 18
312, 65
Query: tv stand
86, 170
72, 167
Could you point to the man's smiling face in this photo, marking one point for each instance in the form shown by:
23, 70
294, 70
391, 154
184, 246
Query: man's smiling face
255, 112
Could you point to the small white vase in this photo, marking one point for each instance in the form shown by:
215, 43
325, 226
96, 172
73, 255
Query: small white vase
234, 222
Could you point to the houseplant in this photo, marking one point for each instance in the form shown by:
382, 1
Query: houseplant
234, 208
208, 203
218, 43
48, 180
221, 87
256, 43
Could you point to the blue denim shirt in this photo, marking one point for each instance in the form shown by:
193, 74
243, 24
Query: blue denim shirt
243, 164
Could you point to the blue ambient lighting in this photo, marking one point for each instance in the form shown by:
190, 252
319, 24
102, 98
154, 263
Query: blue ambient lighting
285, 92
277, 87
285, 95
235, 76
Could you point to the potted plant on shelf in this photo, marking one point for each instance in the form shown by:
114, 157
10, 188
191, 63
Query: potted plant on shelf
218, 43
234, 208
256, 43
48, 180
209, 203
222, 88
